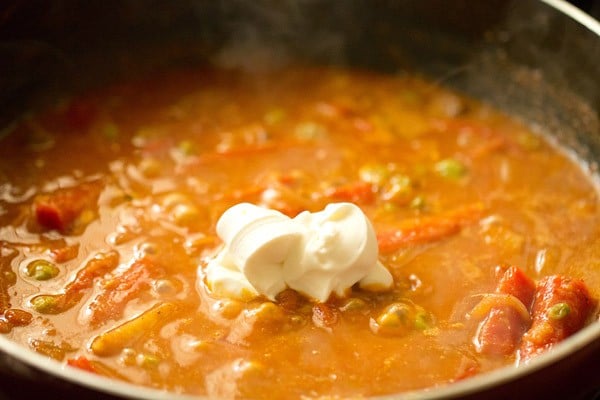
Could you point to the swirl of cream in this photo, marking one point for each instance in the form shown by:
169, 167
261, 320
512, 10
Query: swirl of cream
316, 254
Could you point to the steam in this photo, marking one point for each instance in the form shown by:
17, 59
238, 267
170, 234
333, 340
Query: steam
268, 35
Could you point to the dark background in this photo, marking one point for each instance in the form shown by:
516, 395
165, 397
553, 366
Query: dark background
592, 7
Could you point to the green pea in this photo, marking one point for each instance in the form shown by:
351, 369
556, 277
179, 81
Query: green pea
354, 304
401, 183
423, 321
450, 168
559, 311
374, 173
398, 188
394, 316
42, 270
45, 304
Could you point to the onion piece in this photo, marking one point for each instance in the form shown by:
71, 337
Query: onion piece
495, 300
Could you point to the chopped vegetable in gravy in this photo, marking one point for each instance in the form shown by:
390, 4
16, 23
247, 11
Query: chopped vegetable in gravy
109, 203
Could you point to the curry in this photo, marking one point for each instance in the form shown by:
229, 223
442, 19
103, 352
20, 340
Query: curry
109, 203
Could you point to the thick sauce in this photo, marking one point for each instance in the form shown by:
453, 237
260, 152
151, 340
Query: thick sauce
109, 201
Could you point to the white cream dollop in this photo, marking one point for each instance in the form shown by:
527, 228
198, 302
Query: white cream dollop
316, 254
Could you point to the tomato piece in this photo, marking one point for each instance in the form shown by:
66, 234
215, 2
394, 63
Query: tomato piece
65, 253
425, 232
50, 216
18, 317
324, 315
60, 209
119, 289
96, 267
561, 307
81, 362
428, 229
75, 290
516, 283
355, 192
501, 331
